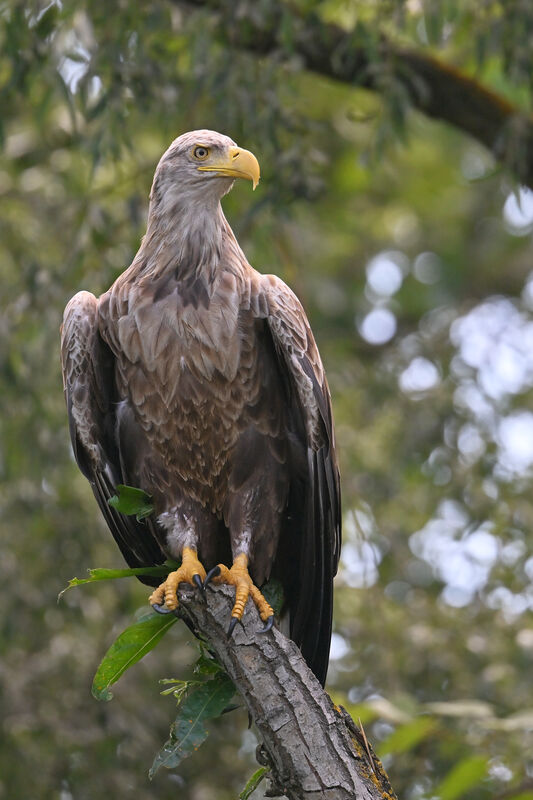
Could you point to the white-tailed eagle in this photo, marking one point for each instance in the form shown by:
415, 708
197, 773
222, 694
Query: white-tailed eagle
198, 380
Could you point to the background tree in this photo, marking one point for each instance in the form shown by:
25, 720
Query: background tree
409, 243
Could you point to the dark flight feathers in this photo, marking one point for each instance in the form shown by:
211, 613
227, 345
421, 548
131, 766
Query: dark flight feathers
88, 374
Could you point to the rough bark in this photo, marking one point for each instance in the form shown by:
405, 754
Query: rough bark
436, 89
313, 748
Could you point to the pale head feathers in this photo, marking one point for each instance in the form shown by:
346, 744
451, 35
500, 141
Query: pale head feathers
177, 176
185, 218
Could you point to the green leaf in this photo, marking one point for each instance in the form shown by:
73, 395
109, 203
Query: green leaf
188, 731
47, 21
207, 664
407, 736
466, 774
130, 647
273, 594
253, 783
179, 688
132, 501
103, 574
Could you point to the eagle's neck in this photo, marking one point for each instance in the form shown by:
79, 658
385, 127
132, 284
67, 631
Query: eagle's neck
184, 238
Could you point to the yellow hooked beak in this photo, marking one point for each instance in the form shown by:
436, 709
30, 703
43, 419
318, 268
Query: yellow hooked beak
238, 163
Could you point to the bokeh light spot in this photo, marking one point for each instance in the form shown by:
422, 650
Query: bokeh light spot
427, 268
420, 375
515, 440
518, 212
379, 326
384, 275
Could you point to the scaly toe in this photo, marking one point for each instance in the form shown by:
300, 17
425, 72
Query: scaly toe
239, 577
158, 595
191, 571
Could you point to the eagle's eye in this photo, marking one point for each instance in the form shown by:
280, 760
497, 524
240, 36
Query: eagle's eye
200, 153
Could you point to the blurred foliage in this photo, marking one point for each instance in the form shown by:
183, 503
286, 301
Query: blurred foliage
207, 700
412, 256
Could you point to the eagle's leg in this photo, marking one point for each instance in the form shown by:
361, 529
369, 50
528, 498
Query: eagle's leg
239, 577
190, 571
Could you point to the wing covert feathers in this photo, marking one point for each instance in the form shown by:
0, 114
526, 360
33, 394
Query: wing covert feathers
315, 513
88, 379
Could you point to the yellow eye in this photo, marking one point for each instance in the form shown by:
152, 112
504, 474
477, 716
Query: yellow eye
200, 153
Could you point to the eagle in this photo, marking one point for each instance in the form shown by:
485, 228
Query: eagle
198, 380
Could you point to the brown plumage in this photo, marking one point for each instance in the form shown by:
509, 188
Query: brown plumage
198, 379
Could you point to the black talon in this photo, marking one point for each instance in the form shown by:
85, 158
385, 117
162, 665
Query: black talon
233, 623
198, 581
161, 609
268, 625
213, 573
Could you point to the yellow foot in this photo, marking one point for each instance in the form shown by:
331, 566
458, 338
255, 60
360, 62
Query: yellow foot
191, 571
244, 587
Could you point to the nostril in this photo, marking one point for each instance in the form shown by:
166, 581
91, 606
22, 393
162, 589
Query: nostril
236, 154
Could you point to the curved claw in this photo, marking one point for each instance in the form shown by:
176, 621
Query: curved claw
161, 609
268, 625
213, 573
233, 623
198, 582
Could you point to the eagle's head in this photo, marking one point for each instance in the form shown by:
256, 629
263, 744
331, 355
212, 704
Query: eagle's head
202, 166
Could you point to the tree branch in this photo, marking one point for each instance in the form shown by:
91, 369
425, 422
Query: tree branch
436, 89
314, 749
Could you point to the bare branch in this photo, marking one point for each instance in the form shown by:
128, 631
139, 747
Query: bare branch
314, 749
436, 89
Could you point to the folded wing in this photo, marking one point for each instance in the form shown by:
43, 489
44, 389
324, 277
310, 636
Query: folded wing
313, 527
89, 383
